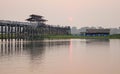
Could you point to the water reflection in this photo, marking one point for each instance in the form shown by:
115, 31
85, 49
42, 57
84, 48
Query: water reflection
35, 49
75, 56
27, 52
97, 41
57, 43
70, 51
98, 47
12, 47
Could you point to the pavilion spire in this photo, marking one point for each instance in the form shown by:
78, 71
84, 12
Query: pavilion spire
36, 18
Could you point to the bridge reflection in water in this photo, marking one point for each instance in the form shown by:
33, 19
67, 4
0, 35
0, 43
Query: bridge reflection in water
34, 48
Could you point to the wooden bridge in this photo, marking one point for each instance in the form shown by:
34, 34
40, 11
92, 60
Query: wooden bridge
29, 30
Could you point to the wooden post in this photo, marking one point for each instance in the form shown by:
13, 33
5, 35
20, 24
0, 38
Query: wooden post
2, 32
23, 32
5, 31
8, 31
11, 32
16, 31
20, 32
32, 33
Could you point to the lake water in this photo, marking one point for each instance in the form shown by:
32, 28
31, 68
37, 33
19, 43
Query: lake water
69, 56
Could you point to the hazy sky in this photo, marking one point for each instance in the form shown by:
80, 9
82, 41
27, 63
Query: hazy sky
77, 13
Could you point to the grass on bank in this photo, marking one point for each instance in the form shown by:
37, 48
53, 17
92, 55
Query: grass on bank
117, 36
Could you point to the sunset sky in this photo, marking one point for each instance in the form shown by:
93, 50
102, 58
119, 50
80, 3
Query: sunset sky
77, 13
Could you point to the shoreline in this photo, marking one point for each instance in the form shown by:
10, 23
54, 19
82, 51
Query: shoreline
117, 36
82, 37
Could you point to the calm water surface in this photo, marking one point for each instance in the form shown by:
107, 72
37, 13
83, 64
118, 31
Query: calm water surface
72, 56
